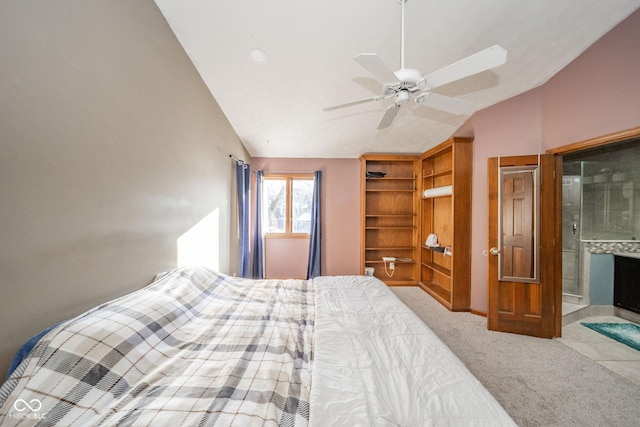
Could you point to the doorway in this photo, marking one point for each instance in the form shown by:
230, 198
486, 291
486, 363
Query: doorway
523, 225
600, 215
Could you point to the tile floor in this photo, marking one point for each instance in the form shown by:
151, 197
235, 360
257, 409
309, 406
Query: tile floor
616, 356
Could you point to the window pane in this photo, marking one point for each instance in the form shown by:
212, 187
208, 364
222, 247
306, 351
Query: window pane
301, 197
276, 205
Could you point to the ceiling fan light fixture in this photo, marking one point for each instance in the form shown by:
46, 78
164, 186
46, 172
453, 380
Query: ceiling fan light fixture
402, 97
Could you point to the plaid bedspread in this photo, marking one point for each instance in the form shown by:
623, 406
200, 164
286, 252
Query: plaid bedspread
194, 348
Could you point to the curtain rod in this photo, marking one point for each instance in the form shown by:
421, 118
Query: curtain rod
270, 172
238, 161
284, 173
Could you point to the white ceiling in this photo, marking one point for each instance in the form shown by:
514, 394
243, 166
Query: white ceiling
276, 107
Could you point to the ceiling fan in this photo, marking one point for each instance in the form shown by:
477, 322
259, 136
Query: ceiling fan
409, 84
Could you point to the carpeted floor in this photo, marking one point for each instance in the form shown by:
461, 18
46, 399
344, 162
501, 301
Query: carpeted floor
540, 382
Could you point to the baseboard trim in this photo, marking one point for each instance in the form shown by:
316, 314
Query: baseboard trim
586, 311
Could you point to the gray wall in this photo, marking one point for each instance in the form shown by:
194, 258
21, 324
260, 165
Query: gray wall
111, 148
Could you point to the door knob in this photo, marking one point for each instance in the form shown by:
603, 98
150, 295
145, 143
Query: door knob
494, 251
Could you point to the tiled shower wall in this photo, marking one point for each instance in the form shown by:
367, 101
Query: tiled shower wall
602, 247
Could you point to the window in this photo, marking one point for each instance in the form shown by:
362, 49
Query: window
287, 205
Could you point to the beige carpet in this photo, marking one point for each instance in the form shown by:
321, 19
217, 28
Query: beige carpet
540, 382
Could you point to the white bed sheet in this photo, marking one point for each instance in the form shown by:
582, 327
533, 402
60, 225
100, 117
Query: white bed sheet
377, 364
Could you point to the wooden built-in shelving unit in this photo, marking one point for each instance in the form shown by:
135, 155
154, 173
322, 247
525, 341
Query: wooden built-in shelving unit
389, 211
447, 275
397, 219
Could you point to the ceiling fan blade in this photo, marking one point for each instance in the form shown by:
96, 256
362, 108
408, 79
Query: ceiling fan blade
444, 103
474, 64
349, 104
388, 117
378, 69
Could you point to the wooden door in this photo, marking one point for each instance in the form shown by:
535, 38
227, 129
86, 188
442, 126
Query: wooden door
518, 239
524, 265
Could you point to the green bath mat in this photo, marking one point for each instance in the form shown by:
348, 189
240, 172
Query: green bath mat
626, 333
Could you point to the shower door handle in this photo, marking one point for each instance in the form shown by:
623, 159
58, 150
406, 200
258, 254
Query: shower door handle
575, 227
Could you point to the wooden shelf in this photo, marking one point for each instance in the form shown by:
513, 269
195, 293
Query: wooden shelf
389, 207
390, 216
448, 278
407, 281
437, 174
383, 227
382, 262
390, 178
437, 289
441, 295
391, 248
437, 267
397, 220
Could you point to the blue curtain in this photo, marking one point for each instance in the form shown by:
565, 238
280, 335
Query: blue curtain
258, 254
315, 257
243, 175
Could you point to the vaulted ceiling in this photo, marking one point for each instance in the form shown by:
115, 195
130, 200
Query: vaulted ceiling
275, 104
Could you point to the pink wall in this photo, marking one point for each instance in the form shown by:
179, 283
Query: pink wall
287, 258
597, 94
340, 212
512, 127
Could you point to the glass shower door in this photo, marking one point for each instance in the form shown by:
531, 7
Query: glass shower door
571, 232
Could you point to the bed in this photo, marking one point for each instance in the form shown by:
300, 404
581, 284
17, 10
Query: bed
198, 347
